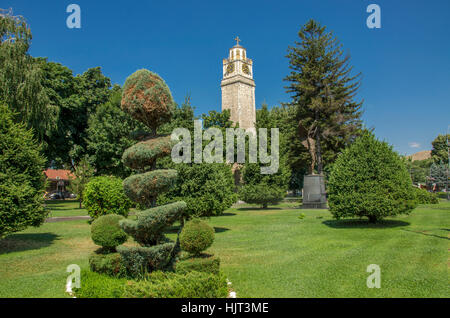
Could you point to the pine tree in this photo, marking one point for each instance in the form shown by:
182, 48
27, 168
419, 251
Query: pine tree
322, 91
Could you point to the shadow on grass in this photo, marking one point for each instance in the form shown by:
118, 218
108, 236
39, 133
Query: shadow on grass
175, 228
220, 229
24, 242
361, 224
427, 234
255, 208
227, 214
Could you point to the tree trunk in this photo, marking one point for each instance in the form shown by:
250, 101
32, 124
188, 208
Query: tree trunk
372, 219
80, 203
319, 154
264, 206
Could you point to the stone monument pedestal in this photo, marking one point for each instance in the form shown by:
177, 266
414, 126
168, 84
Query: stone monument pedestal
314, 195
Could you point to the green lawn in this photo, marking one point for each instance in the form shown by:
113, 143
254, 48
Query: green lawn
60, 208
265, 253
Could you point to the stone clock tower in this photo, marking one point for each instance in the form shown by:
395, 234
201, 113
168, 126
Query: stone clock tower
238, 87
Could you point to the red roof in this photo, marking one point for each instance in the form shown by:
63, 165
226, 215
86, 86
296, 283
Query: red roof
58, 174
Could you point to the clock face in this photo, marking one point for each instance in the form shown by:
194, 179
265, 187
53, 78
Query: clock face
230, 68
245, 69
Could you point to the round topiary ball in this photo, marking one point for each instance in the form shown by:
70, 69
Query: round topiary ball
196, 236
147, 98
106, 232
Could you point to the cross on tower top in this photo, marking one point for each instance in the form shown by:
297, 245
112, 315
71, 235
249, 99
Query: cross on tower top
237, 39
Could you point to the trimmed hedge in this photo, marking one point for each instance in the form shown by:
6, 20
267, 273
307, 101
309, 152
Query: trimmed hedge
210, 264
173, 285
95, 285
106, 232
425, 197
105, 195
196, 236
109, 264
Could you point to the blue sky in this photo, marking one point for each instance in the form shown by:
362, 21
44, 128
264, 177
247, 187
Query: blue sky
405, 64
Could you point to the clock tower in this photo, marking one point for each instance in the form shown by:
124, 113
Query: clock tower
238, 87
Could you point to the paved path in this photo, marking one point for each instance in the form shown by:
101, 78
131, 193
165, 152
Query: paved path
67, 218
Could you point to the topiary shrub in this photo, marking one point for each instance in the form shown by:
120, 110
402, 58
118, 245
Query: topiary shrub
147, 98
21, 179
425, 197
173, 285
370, 180
106, 232
208, 264
196, 236
109, 264
105, 195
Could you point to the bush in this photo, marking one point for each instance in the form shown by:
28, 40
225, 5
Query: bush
106, 232
442, 195
209, 264
207, 189
262, 194
172, 285
109, 264
196, 236
21, 178
104, 195
264, 189
370, 180
425, 197
94, 285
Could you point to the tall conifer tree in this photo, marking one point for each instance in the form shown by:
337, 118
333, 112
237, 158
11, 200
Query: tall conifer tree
323, 92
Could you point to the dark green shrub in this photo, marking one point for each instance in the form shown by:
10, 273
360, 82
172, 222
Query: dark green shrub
109, 264
370, 180
425, 197
141, 260
95, 285
264, 189
106, 232
442, 195
196, 236
104, 195
261, 194
172, 285
21, 178
207, 189
207, 264
147, 98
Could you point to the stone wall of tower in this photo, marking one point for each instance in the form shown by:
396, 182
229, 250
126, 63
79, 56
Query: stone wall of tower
238, 89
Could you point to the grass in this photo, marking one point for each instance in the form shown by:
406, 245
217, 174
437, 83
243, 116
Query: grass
272, 253
264, 253
65, 208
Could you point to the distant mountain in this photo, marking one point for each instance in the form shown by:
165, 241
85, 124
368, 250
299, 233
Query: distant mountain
421, 155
